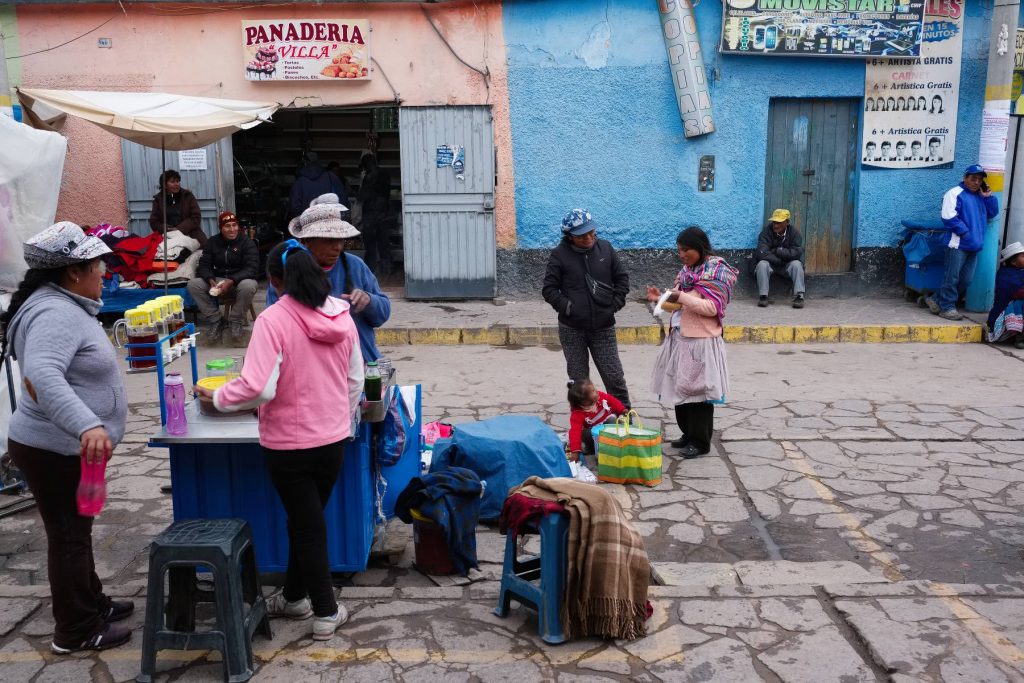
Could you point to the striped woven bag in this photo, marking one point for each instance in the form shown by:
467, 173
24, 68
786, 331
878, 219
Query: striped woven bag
629, 453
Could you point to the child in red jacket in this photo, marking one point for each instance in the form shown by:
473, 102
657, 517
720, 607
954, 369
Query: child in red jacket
588, 407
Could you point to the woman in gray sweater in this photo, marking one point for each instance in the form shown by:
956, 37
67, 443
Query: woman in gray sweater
72, 406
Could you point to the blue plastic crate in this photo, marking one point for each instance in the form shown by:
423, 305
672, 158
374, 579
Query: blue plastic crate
924, 277
231, 480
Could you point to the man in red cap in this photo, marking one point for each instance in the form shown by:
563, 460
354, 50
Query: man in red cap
228, 268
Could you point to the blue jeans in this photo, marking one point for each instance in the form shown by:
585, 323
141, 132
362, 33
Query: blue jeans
956, 278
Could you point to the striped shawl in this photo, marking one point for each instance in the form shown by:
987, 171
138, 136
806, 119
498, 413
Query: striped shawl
714, 279
608, 572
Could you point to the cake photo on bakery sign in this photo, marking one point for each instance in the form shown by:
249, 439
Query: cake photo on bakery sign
306, 49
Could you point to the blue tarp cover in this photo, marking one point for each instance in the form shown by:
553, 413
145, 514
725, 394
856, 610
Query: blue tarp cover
504, 451
924, 241
123, 299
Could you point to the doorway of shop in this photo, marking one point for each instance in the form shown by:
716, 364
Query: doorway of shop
810, 169
268, 160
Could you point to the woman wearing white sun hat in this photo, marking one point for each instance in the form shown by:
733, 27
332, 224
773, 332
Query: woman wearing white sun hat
323, 231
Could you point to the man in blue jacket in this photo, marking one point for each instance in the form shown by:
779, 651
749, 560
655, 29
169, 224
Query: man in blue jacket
966, 209
323, 232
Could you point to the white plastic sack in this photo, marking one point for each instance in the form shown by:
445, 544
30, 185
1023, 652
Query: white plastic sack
31, 165
581, 472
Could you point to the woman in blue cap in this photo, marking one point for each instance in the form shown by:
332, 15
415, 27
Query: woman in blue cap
586, 284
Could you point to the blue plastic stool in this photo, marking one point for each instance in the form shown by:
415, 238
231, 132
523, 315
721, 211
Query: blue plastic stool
519, 577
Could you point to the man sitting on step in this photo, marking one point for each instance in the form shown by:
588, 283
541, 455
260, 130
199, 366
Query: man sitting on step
779, 248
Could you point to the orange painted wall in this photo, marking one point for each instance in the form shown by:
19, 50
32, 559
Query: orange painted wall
197, 50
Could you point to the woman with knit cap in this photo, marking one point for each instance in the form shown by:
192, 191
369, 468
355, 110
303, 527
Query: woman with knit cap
72, 406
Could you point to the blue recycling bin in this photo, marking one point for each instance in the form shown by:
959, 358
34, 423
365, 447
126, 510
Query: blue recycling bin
924, 248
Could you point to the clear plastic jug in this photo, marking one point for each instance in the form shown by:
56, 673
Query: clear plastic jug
161, 315
174, 403
175, 316
137, 327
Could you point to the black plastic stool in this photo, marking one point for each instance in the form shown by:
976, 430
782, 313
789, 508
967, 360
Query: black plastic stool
225, 547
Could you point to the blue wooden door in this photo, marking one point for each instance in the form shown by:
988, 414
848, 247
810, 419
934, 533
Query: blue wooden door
810, 169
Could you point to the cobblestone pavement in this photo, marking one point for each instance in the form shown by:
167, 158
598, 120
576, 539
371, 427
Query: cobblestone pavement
857, 520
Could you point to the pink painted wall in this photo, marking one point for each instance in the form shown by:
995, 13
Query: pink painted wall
192, 50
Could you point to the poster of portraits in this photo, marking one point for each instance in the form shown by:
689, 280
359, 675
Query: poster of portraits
910, 105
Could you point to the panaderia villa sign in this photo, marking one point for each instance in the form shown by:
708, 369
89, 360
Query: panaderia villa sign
306, 49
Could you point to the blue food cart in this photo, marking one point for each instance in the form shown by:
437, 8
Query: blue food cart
218, 471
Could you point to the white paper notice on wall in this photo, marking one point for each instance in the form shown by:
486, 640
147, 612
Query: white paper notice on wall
192, 160
994, 126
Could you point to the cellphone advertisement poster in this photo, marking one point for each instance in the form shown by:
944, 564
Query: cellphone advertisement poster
306, 49
1017, 88
910, 105
825, 28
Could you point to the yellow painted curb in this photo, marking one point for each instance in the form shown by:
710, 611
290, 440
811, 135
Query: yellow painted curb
653, 335
734, 333
436, 337
896, 334
533, 336
649, 335
495, 336
392, 336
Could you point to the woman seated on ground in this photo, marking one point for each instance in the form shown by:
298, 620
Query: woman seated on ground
1006, 319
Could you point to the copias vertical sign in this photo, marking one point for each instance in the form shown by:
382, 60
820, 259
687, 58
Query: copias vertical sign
679, 28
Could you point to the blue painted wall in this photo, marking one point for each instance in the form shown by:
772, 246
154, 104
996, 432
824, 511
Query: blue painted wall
595, 124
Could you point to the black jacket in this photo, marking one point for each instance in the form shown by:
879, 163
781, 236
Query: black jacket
238, 260
778, 251
565, 284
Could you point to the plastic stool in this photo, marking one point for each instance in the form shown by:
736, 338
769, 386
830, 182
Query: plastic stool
225, 547
519, 577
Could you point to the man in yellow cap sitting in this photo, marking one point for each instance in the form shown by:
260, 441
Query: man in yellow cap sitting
779, 248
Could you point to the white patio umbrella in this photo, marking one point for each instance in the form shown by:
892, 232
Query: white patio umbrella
159, 120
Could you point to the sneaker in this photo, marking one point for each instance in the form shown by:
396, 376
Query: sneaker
678, 443
117, 610
324, 627
951, 314
762, 302
107, 636
932, 306
1018, 343
798, 301
278, 606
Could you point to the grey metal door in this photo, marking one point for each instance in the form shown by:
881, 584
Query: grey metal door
448, 220
810, 169
213, 187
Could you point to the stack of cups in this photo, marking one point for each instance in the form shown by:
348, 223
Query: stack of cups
384, 366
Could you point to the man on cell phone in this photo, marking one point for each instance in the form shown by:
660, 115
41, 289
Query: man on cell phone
966, 209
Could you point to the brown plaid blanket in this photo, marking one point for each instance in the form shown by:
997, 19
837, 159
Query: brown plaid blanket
608, 573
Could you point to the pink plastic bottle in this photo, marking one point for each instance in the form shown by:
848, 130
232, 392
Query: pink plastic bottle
174, 402
92, 487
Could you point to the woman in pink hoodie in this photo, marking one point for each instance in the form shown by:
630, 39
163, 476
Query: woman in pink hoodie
304, 371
